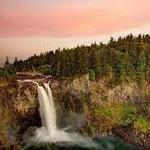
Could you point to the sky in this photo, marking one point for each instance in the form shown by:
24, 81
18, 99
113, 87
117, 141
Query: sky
35, 26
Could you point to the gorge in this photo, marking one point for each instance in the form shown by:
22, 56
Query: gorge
78, 104
50, 133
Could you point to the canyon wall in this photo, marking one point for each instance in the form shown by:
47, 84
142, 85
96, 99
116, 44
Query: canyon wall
89, 107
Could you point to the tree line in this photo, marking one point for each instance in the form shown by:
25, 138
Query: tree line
123, 59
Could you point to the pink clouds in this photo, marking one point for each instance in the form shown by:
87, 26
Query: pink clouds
72, 19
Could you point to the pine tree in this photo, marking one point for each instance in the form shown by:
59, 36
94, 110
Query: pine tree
7, 62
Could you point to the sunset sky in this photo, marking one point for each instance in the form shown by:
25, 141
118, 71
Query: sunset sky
34, 26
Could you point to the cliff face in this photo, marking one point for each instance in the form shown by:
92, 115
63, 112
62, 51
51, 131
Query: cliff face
18, 109
91, 107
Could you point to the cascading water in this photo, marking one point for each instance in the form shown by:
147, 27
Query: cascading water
46, 110
52, 111
49, 132
48, 116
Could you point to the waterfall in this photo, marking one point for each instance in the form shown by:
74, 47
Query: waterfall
49, 132
47, 109
53, 112
48, 116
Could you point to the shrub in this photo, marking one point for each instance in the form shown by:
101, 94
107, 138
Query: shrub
8, 71
103, 111
92, 75
128, 114
142, 124
46, 70
116, 114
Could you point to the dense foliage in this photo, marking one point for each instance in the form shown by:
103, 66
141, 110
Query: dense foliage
7, 71
120, 60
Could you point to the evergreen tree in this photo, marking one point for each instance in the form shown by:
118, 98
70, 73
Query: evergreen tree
7, 62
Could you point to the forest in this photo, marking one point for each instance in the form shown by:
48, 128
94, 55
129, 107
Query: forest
123, 59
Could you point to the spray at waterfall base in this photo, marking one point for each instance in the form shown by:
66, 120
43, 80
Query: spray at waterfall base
49, 132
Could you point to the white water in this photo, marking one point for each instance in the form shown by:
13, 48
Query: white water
49, 132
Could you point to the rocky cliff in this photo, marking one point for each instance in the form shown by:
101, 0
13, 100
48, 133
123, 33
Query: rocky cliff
90, 107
